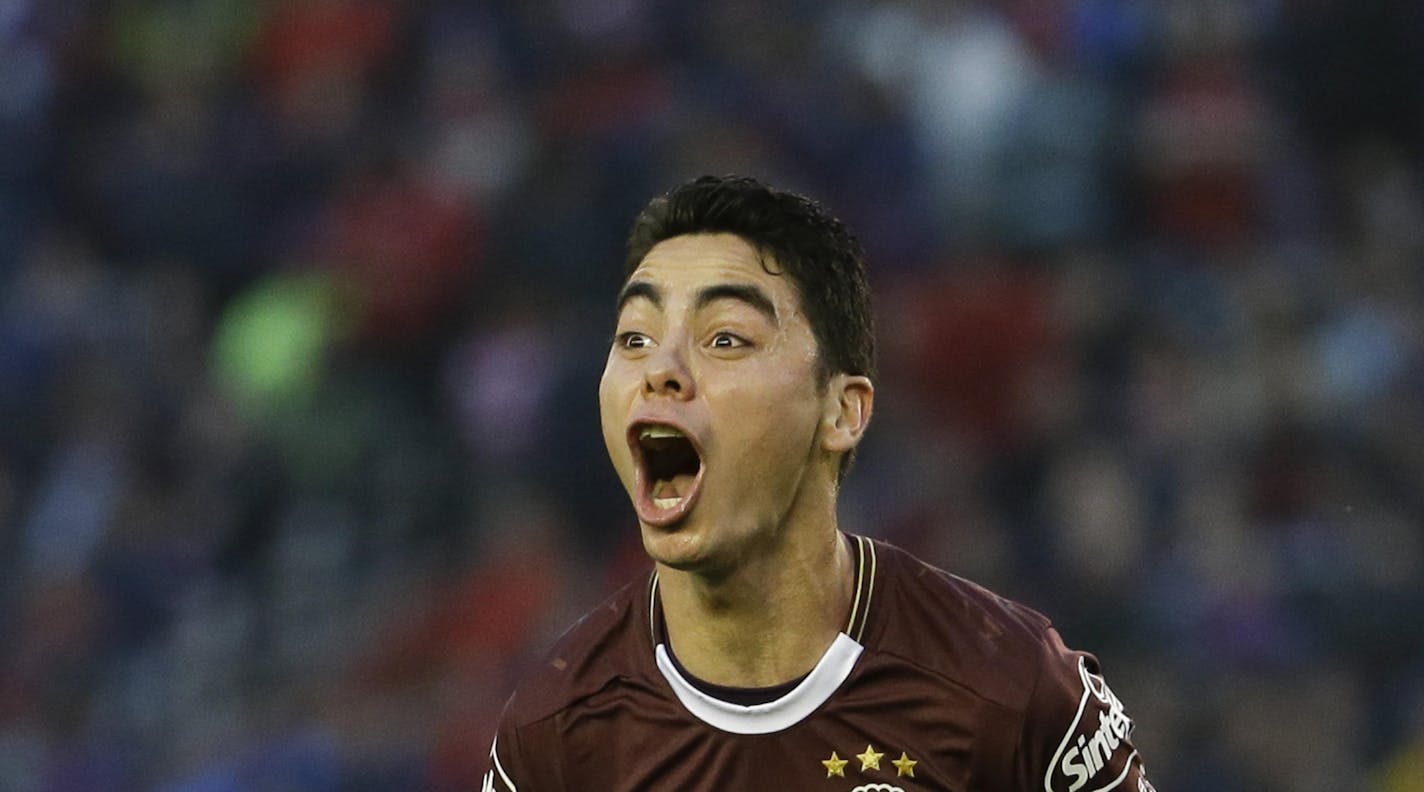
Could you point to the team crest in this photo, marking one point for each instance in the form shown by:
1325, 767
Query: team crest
1087, 758
877, 788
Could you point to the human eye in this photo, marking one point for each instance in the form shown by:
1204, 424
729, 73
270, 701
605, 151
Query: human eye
726, 340
632, 339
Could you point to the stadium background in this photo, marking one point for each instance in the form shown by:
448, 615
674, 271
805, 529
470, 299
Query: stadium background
302, 306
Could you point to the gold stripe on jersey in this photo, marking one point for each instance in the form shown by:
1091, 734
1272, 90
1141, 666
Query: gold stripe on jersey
864, 588
859, 584
869, 588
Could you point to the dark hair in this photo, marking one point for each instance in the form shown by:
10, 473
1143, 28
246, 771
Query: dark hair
793, 234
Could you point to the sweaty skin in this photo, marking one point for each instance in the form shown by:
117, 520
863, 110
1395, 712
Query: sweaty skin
756, 580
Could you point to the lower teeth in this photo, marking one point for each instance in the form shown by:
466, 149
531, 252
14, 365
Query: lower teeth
665, 503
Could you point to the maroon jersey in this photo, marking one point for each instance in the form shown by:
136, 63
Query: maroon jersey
935, 684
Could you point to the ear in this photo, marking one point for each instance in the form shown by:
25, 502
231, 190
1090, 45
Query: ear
850, 399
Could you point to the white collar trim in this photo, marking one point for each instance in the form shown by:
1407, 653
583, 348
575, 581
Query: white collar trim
783, 713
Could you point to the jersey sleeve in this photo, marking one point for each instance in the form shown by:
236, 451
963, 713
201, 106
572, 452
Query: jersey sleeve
518, 762
1076, 736
497, 777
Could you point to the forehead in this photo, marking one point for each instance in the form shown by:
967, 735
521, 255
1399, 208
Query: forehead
694, 261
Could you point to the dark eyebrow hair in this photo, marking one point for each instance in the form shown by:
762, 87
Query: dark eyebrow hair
741, 292
640, 289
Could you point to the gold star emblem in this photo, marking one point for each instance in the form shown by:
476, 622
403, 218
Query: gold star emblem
835, 766
904, 766
870, 760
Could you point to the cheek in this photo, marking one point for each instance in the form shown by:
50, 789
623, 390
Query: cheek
612, 409
618, 382
771, 417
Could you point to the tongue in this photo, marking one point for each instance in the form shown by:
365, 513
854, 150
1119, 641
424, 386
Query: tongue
677, 487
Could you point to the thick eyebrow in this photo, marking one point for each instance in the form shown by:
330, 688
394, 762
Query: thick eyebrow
640, 289
741, 292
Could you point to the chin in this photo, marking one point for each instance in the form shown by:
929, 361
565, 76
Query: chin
680, 546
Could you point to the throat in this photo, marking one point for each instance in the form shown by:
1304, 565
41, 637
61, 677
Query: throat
741, 696
758, 627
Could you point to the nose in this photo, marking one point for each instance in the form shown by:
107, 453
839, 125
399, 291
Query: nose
667, 375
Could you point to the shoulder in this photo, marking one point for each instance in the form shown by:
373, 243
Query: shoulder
959, 630
1065, 730
610, 641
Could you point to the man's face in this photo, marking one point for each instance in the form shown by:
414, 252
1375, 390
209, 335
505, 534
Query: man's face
711, 408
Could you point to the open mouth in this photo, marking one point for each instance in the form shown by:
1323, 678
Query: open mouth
669, 472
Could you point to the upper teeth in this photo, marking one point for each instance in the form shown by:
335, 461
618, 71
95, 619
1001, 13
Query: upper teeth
653, 432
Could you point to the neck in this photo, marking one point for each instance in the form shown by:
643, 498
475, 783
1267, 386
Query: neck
767, 622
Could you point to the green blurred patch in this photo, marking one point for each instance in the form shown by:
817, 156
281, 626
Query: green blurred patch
270, 345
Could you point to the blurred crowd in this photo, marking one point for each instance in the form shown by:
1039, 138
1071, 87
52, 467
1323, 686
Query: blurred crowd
303, 305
